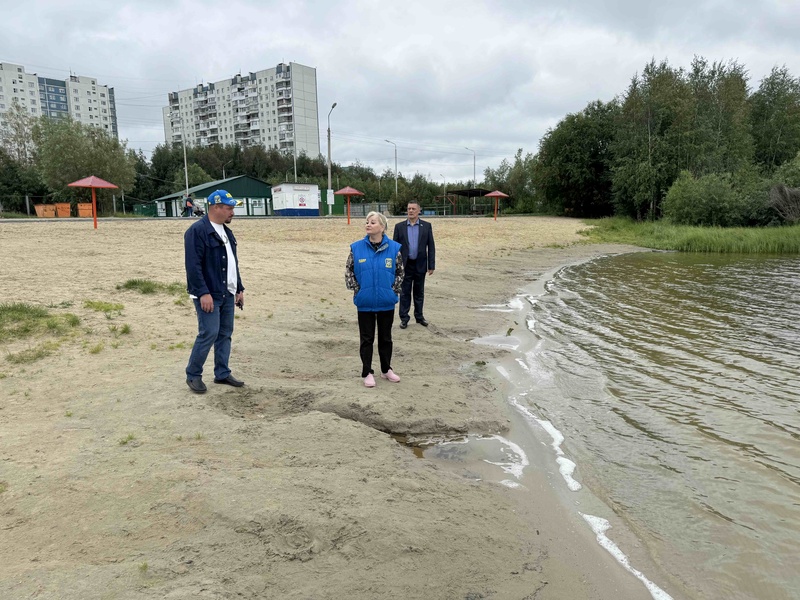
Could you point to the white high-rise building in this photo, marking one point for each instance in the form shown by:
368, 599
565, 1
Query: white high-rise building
275, 107
81, 98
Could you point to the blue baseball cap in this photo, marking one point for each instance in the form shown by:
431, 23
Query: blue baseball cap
221, 197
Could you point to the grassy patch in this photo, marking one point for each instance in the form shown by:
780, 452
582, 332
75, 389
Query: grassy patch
20, 320
96, 349
109, 308
64, 304
127, 439
148, 286
663, 236
30, 355
3, 486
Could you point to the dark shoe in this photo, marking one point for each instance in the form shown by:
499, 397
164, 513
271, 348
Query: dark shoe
230, 380
403, 324
197, 385
422, 322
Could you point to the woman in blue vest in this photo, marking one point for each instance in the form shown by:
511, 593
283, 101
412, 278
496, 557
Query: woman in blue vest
374, 272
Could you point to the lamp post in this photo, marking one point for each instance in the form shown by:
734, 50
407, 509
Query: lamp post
444, 184
395, 167
185, 164
474, 183
329, 148
223, 168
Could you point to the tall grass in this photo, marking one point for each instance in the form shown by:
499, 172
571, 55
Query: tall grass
21, 320
724, 240
148, 286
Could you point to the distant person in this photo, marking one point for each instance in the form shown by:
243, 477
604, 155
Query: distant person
188, 207
215, 285
415, 237
374, 272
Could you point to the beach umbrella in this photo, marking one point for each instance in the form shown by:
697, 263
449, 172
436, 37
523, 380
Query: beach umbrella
94, 183
347, 192
497, 194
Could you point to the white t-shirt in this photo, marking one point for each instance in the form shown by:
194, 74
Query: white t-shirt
232, 279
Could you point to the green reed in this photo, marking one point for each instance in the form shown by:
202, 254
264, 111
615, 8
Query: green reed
724, 240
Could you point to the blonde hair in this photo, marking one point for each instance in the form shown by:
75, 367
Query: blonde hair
381, 218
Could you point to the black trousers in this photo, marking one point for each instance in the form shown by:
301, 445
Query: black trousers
413, 284
366, 328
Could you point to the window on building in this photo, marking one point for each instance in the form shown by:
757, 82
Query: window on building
33, 111
30, 84
102, 95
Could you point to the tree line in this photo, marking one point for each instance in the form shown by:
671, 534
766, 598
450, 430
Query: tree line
695, 146
40, 156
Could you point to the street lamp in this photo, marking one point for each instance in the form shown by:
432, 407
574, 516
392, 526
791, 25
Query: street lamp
445, 185
395, 167
223, 168
185, 164
474, 183
329, 150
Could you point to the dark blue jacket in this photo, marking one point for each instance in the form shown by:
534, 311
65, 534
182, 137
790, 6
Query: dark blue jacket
375, 272
426, 249
207, 260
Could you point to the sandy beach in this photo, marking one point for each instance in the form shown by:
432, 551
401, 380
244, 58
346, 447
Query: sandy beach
117, 482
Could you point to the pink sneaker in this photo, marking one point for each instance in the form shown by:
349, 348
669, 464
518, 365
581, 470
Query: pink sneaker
390, 376
369, 380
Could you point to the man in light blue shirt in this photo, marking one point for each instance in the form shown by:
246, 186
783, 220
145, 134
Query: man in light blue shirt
419, 259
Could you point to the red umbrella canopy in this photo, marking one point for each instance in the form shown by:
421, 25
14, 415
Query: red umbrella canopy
496, 194
348, 191
92, 182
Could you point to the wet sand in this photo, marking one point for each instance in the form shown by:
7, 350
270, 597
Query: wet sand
117, 482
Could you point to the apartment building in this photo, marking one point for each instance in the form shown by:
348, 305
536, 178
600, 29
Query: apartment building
274, 107
81, 98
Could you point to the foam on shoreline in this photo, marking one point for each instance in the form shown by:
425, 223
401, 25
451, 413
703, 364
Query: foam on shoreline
519, 381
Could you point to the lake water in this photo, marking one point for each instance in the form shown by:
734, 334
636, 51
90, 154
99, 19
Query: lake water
675, 380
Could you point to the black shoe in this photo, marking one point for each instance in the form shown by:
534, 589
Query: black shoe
403, 324
197, 385
422, 322
230, 380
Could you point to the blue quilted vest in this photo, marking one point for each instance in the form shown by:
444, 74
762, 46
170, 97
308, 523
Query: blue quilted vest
375, 273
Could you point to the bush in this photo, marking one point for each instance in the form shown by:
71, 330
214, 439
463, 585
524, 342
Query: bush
739, 200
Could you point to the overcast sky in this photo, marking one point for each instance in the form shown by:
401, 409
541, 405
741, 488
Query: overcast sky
433, 76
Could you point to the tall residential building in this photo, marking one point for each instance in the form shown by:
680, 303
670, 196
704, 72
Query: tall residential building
81, 98
275, 107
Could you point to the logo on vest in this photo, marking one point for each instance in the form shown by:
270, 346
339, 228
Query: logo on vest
362, 260
388, 263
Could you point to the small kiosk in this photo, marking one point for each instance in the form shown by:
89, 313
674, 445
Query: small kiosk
295, 200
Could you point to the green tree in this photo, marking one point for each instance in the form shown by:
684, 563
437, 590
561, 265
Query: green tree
196, 175
18, 181
516, 180
775, 118
719, 140
651, 139
572, 171
68, 151
16, 137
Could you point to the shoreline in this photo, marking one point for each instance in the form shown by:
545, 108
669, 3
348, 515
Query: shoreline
289, 487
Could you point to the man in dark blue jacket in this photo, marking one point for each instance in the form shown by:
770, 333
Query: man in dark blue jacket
419, 259
214, 284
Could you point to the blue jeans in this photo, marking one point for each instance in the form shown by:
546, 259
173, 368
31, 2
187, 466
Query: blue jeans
214, 329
